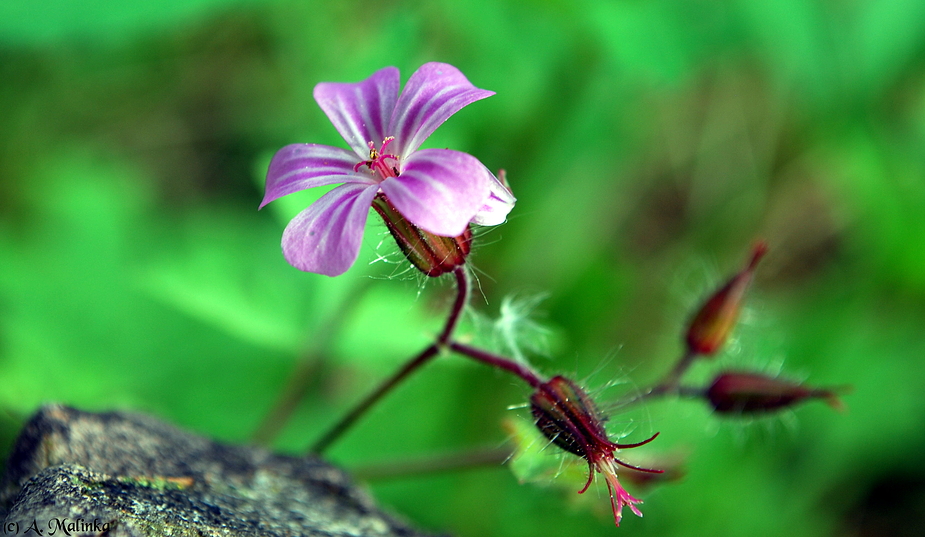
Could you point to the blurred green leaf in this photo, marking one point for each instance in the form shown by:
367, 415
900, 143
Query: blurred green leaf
22, 21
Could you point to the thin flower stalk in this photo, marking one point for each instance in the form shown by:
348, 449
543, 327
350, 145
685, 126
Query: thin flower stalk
412, 365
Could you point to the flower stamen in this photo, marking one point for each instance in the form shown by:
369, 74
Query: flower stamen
385, 164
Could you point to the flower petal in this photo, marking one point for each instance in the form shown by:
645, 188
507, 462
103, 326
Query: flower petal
434, 92
497, 206
360, 111
300, 166
439, 190
325, 238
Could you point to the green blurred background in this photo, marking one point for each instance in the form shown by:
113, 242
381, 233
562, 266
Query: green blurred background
649, 144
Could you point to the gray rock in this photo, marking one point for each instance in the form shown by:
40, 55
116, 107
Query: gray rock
119, 474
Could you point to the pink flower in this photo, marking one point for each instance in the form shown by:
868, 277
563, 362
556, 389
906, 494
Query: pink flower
438, 190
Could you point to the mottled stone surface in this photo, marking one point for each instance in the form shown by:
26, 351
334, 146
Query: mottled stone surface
81, 473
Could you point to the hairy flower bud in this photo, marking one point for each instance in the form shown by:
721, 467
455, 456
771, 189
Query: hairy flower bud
568, 417
431, 254
739, 392
712, 325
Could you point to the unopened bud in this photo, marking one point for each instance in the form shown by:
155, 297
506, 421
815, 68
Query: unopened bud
431, 254
738, 392
717, 317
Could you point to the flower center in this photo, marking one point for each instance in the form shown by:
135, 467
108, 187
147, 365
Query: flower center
384, 164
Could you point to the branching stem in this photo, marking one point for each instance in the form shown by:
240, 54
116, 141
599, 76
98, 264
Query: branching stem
668, 385
500, 362
415, 363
